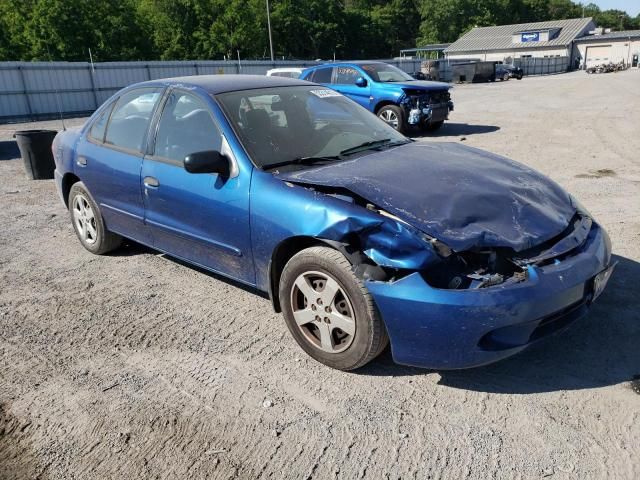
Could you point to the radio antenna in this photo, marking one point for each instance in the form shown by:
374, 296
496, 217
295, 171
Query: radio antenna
57, 92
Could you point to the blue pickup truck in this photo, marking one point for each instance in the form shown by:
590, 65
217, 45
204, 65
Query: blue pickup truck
393, 95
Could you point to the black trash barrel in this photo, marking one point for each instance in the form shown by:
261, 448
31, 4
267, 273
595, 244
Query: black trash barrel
35, 149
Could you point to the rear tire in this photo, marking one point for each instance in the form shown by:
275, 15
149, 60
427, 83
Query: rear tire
88, 223
393, 116
319, 294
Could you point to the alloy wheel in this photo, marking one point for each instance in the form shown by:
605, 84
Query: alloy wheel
85, 220
390, 117
322, 311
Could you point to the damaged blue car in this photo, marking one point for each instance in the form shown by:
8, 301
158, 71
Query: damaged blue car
360, 236
396, 97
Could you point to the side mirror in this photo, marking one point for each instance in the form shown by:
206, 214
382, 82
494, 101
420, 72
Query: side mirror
209, 161
361, 82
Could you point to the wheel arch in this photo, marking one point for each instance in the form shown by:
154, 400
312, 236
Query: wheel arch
383, 103
283, 252
67, 182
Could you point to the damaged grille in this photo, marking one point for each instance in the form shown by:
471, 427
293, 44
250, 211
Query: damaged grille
420, 99
438, 97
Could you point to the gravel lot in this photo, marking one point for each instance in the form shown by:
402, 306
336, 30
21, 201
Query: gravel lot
136, 366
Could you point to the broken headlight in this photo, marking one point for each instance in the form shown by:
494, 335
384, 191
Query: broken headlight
472, 270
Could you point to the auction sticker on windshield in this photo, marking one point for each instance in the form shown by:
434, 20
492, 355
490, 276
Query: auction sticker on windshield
326, 93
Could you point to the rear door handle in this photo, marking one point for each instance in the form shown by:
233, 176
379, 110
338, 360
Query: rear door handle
151, 182
82, 161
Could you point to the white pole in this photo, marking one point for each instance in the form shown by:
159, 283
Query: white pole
269, 26
91, 60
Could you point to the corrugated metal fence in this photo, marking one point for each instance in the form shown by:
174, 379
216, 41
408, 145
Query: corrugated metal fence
542, 66
442, 69
40, 90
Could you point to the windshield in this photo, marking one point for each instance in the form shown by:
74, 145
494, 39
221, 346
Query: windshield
383, 72
284, 125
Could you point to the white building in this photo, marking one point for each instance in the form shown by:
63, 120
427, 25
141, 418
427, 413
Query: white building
507, 42
615, 47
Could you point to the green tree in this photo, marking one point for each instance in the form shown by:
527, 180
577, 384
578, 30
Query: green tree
178, 29
211, 29
378, 28
66, 29
14, 40
308, 28
240, 25
615, 19
446, 20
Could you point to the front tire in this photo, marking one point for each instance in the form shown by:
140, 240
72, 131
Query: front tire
87, 222
393, 116
329, 311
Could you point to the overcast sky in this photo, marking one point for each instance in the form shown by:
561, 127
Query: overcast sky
632, 7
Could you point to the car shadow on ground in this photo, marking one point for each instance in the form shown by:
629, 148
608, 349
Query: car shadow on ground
9, 150
452, 129
131, 249
599, 350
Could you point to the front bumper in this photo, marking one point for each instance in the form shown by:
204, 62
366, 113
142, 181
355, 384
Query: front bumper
429, 114
426, 108
449, 329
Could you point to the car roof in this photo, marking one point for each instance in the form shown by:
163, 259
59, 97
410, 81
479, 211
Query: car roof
355, 62
286, 69
215, 84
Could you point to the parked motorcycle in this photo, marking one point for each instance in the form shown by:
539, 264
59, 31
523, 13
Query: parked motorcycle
607, 67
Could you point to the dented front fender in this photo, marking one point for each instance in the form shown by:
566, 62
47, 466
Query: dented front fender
281, 210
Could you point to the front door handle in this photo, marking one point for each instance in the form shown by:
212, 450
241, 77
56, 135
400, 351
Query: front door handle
82, 161
151, 182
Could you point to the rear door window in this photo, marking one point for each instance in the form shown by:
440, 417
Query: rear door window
346, 75
131, 117
322, 75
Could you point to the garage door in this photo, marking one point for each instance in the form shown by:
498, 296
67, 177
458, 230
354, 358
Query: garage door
598, 55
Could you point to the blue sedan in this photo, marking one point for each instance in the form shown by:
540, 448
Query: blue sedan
360, 236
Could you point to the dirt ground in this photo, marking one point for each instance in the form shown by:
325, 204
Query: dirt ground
136, 366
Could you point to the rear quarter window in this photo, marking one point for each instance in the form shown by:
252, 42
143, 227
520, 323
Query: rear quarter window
99, 127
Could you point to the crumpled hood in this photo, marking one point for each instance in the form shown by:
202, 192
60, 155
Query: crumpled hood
463, 196
420, 85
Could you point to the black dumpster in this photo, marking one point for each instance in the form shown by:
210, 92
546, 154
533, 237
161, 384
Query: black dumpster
35, 149
473, 72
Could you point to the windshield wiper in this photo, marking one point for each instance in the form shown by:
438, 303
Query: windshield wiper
301, 161
372, 145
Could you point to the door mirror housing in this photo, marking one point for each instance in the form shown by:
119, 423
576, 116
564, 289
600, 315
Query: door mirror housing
210, 161
361, 82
